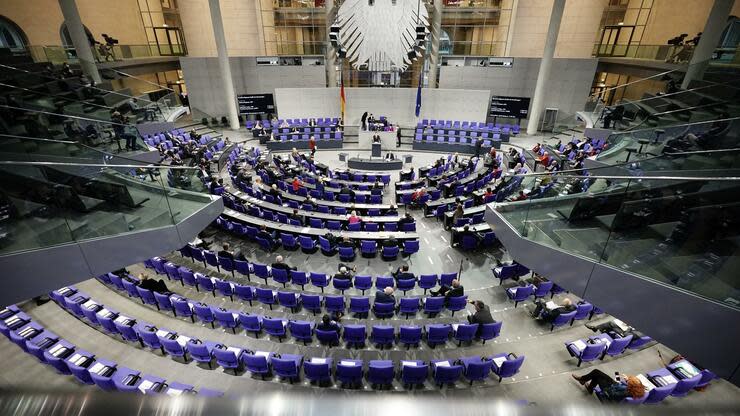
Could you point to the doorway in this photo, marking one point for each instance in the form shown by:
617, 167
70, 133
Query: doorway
615, 40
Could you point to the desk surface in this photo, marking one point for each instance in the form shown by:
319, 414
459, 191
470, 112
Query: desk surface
349, 206
477, 228
355, 235
375, 164
311, 214
468, 211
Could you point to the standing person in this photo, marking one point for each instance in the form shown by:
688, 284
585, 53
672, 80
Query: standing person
312, 144
364, 120
478, 145
398, 135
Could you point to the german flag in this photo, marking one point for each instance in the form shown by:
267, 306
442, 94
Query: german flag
342, 99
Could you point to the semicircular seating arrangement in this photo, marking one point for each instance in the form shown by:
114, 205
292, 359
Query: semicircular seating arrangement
437, 333
380, 373
85, 366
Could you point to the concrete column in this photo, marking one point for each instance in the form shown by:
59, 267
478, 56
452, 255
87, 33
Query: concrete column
510, 32
544, 74
434, 49
223, 64
710, 37
331, 53
79, 39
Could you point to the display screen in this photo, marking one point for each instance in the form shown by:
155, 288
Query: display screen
517, 107
255, 103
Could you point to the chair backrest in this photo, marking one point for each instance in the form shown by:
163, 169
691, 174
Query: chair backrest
315, 371
592, 351
382, 333
354, 332
414, 373
511, 367
438, 332
255, 363
409, 334
618, 345
457, 303
582, 310
685, 385
434, 304
409, 304
657, 394
287, 298
359, 304
327, 337
284, 367
334, 302
490, 331
381, 282
445, 279
427, 281
478, 370
363, 282
466, 331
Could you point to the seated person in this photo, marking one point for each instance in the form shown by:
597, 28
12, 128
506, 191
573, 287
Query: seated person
403, 273
616, 329
541, 311
385, 296
417, 196
406, 219
154, 285
392, 210
280, 264
296, 216
225, 253
347, 242
328, 324
613, 390
450, 291
389, 242
267, 235
458, 235
481, 316
353, 218
344, 273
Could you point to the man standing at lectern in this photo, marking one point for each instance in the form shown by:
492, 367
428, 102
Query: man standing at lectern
398, 135
364, 120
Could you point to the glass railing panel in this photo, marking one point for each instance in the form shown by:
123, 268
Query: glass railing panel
640, 144
46, 204
685, 237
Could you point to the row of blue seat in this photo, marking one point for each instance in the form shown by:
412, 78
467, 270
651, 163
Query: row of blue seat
296, 277
66, 358
309, 245
288, 366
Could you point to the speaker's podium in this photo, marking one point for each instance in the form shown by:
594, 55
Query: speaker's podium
376, 151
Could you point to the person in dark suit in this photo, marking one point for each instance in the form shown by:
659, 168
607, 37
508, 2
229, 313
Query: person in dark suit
478, 145
457, 236
385, 296
455, 290
548, 315
280, 264
344, 273
481, 316
328, 324
225, 252
154, 285
296, 216
270, 237
403, 273
389, 242
274, 192
398, 135
364, 120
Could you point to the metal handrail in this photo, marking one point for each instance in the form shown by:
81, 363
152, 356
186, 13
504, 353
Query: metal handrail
102, 165
94, 120
2, 84
38, 74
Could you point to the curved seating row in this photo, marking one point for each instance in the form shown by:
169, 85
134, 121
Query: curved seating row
86, 367
311, 239
597, 347
295, 277
289, 365
359, 305
370, 197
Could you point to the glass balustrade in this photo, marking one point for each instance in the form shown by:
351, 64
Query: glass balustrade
639, 144
679, 231
43, 204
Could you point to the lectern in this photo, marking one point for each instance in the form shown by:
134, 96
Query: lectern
376, 150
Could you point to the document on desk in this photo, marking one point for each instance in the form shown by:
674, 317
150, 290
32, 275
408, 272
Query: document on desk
97, 367
499, 361
348, 363
235, 350
551, 305
90, 303
408, 363
174, 392
182, 340
454, 327
645, 382
318, 360
668, 380
145, 385
580, 345
621, 325
161, 333
262, 354
442, 364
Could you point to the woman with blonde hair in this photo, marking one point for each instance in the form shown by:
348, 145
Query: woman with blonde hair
613, 390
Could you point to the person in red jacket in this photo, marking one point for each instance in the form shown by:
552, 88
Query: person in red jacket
296, 184
312, 145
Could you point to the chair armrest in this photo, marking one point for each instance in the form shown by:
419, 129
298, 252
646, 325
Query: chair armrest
511, 354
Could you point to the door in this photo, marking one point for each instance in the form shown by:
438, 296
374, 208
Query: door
169, 41
615, 40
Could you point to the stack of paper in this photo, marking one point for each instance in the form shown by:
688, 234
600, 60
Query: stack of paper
145, 385
580, 345
348, 363
318, 360
499, 361
442, 364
